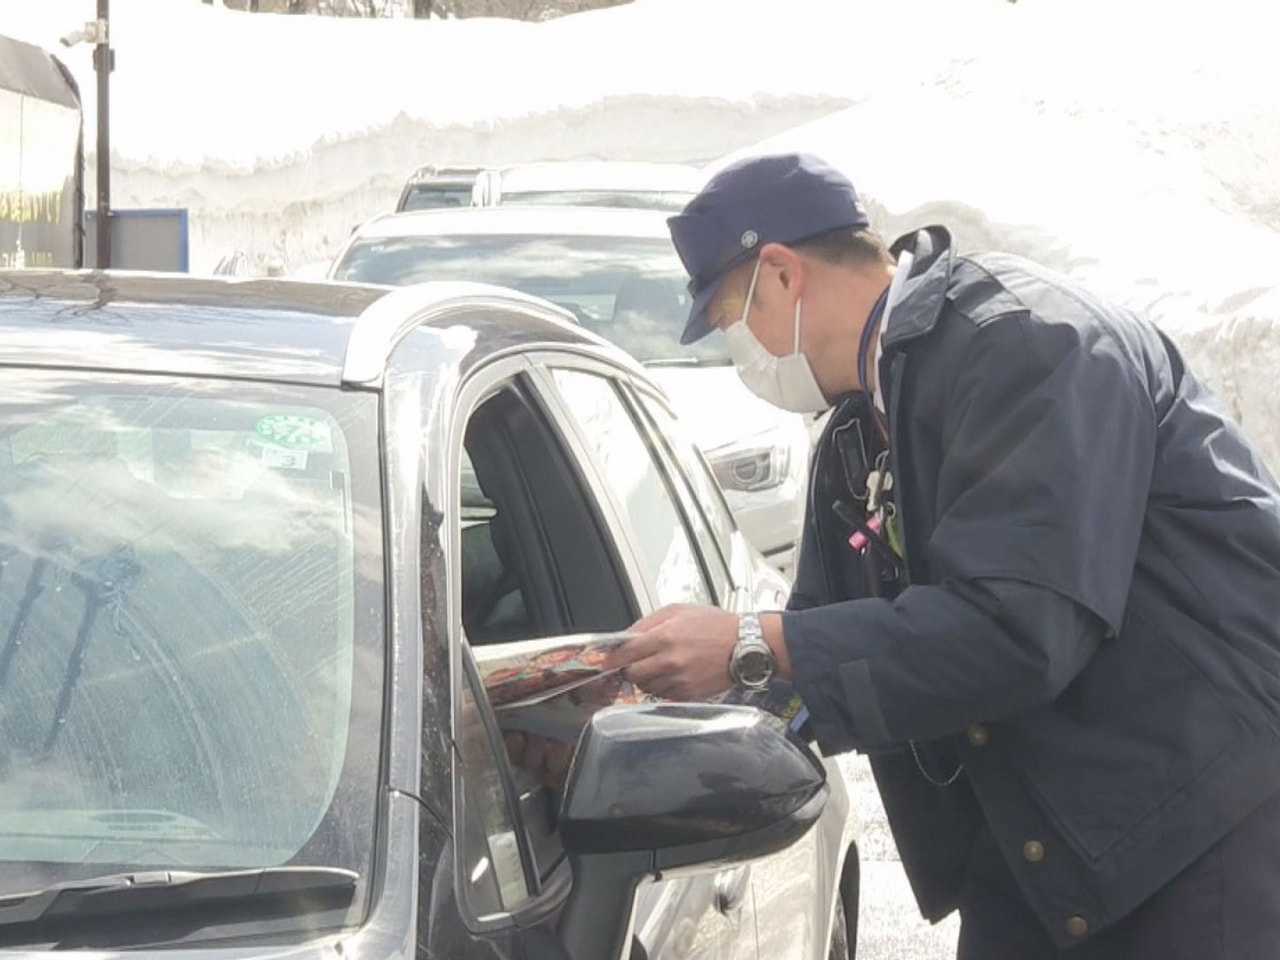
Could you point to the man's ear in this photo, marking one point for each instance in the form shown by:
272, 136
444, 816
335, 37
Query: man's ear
788, 265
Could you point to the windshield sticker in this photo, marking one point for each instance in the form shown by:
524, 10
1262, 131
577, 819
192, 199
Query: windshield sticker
295, 432
279, 458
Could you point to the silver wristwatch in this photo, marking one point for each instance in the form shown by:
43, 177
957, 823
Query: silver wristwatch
752, 664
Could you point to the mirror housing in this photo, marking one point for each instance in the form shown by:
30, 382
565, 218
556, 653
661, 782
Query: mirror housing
673, 787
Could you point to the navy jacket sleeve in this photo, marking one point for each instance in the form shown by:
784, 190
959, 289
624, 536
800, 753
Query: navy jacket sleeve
1048, 441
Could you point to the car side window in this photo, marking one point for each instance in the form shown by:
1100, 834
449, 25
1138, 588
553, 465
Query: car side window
683, 462
494, 606
670, 563
708, 492
537, 561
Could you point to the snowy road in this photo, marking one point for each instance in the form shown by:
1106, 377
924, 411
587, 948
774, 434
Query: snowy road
889, 925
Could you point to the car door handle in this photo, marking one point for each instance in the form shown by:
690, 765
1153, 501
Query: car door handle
731, 889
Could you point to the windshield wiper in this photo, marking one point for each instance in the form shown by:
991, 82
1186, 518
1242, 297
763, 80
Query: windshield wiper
687, 362
313, 888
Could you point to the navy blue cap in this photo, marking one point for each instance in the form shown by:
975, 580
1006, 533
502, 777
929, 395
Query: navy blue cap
777, 199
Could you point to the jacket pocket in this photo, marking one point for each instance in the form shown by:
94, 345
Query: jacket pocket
1135, 731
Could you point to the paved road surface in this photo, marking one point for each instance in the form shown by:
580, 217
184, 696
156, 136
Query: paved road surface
889, 925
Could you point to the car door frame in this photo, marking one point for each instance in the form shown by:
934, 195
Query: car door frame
734, 882
497, 373
743, 596
748, 596
484, 381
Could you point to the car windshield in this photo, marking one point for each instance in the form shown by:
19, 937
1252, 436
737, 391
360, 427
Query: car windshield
629, 290
191, 632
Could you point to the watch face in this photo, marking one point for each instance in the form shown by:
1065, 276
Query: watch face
755, 666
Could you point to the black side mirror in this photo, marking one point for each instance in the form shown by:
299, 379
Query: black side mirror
665, 787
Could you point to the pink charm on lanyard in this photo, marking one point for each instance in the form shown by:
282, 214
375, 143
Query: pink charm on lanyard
859, 540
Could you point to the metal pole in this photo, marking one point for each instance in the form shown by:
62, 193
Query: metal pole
104, 63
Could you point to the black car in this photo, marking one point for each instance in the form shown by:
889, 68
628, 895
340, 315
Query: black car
255, 539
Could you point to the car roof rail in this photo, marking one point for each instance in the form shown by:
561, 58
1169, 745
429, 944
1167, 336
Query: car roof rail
386, 321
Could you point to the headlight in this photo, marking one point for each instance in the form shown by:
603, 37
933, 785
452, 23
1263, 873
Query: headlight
751, 468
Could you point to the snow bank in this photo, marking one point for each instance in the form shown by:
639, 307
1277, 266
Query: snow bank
1143, 158
250, 90
1133, 145
281, 133
301, 209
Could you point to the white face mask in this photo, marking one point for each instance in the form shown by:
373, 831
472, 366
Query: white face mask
786, 382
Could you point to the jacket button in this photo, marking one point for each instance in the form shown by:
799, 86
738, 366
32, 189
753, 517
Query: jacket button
1077, 927
1033, 852
978, 735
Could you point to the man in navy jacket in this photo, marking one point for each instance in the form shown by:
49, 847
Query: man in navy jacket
1039, 580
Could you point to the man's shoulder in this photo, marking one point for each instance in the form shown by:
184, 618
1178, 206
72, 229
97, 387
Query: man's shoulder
980, 288
1002, 309
1047, 304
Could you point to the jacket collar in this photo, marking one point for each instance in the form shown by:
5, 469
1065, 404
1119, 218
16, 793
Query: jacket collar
920, 304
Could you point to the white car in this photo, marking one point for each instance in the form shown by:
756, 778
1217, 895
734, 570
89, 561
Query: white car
600, 183
618, 273
567, 183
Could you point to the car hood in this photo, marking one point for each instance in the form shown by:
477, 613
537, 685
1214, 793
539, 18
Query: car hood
717, 408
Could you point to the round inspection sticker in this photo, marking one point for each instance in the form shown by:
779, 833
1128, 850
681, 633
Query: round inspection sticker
294, 431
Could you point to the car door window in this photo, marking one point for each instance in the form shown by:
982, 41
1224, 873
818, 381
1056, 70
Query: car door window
537, 562
669, 561
703, 504
494, 607
709, 493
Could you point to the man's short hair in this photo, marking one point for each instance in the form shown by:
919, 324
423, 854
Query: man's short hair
847, 247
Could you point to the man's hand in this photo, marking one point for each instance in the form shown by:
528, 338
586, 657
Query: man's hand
681, 652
